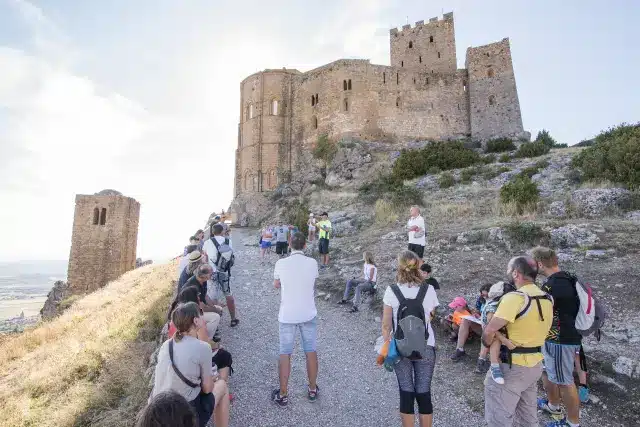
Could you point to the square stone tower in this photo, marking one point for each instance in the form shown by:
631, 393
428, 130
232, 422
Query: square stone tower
103, 244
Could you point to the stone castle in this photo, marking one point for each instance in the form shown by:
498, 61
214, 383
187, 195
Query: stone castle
103, 244
422, 95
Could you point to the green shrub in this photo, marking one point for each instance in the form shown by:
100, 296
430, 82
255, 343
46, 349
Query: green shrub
492, 173
615, 156
504, 158
385, 212
522, 192
467, 174
434, 170
298, 215
532, 149
386, 187
586, 143
445, 155
405, 196
325, 149
527, 233
545, 138
532, 170
561, 146
446, 180
500, 145
488, 159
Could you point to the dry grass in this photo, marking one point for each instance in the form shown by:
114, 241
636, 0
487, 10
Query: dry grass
599, 184
443, 213
385, 212
87, 366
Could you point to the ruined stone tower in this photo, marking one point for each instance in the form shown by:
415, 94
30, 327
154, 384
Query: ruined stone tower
103, 244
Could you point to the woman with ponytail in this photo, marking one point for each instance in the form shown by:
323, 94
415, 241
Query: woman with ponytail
413, 374
184, 366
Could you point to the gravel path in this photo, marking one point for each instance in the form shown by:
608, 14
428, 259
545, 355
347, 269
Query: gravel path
354, 391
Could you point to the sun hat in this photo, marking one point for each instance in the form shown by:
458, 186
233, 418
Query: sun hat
458, 302
195, 256
496, 290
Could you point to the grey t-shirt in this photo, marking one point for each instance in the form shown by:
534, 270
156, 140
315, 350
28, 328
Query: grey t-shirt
282, 234
193, 360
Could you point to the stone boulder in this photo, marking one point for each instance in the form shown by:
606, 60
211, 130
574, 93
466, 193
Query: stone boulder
572, 235
557, 209
59, 292
595, 202
348, 164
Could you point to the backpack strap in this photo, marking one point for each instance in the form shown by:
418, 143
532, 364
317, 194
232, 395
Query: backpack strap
422, 293
527, 304
398, 293
217, 245
177, 371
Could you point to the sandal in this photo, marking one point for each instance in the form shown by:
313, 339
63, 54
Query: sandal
235, 322
313, 394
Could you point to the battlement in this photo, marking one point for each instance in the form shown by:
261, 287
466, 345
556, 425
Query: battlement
447, 17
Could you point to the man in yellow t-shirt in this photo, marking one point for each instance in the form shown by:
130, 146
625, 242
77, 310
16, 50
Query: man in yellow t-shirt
324, 227
527, 320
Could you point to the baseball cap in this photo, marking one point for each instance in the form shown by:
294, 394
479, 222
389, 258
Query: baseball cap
458, 302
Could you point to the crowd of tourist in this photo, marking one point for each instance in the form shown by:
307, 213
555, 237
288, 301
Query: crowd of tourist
527, 332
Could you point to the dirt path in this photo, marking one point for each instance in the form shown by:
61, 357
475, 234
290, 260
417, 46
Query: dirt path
354, 391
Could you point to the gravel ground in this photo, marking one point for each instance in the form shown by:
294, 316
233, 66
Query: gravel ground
354, 391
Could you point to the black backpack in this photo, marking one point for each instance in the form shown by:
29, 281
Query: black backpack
411, 333
222, 262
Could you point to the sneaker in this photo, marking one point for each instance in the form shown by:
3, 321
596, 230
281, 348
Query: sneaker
559, 423
496, 374
342, 302
313, 394
279, 400
481, 366
459, 354
583, 394
354, 309
543, 405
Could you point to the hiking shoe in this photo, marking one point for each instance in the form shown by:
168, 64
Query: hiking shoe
313, 394
354, 309
481, 366
496, 374
342, 302
234, 323
217, 337
281, 401
559, 423
543, 405
459, 354
583, 394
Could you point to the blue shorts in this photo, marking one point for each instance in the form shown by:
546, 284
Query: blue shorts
265, 244
308, 333
559, 362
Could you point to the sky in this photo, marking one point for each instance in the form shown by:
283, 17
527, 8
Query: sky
143, 96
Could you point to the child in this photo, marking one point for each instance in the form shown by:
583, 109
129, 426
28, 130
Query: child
482, 298
265, 242
452, 321
494, 295
425, 270
367, 283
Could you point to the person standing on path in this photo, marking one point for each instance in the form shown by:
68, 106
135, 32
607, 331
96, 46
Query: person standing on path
417, 232
414, 375
312, 227
295, 276
282, 240
323, 242
563, 341
527, 314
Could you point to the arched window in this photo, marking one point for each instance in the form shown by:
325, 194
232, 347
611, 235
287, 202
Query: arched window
344, 85
490, 73
103, 216
346, 104
414, 80
492, 100
438, 55
314, 122
274, 107
313, 100
96, 216
316, 99
427, 80
254, 182
464, 86
430, 39
272, 179
398, 102
250, 111
384, 78
402, 63
246, 181
397, 78
421, 59
349, 85
410, 45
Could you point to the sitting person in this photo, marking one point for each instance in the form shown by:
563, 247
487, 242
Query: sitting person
495, 293
195, 260
167, 409
453, 321
425, 270
468, 326
184, 366
367, 283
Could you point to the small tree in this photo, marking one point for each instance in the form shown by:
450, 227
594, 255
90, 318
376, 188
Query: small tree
522, 192
325, 149
545, 138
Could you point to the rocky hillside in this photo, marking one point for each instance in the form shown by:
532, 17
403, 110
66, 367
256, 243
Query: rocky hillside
471, 232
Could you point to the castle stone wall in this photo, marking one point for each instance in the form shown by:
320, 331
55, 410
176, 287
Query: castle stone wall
103, 247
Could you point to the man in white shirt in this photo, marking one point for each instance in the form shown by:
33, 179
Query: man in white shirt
417, 232
295, 276
223, 278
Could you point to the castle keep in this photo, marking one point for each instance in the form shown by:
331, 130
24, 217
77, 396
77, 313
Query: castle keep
422, 95
103, 244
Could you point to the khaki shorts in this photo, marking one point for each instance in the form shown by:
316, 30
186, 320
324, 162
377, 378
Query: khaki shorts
515, 402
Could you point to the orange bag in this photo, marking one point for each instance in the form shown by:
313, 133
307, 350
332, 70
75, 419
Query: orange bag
382, 354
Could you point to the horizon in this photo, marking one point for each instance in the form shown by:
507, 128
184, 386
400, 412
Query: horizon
146, 102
